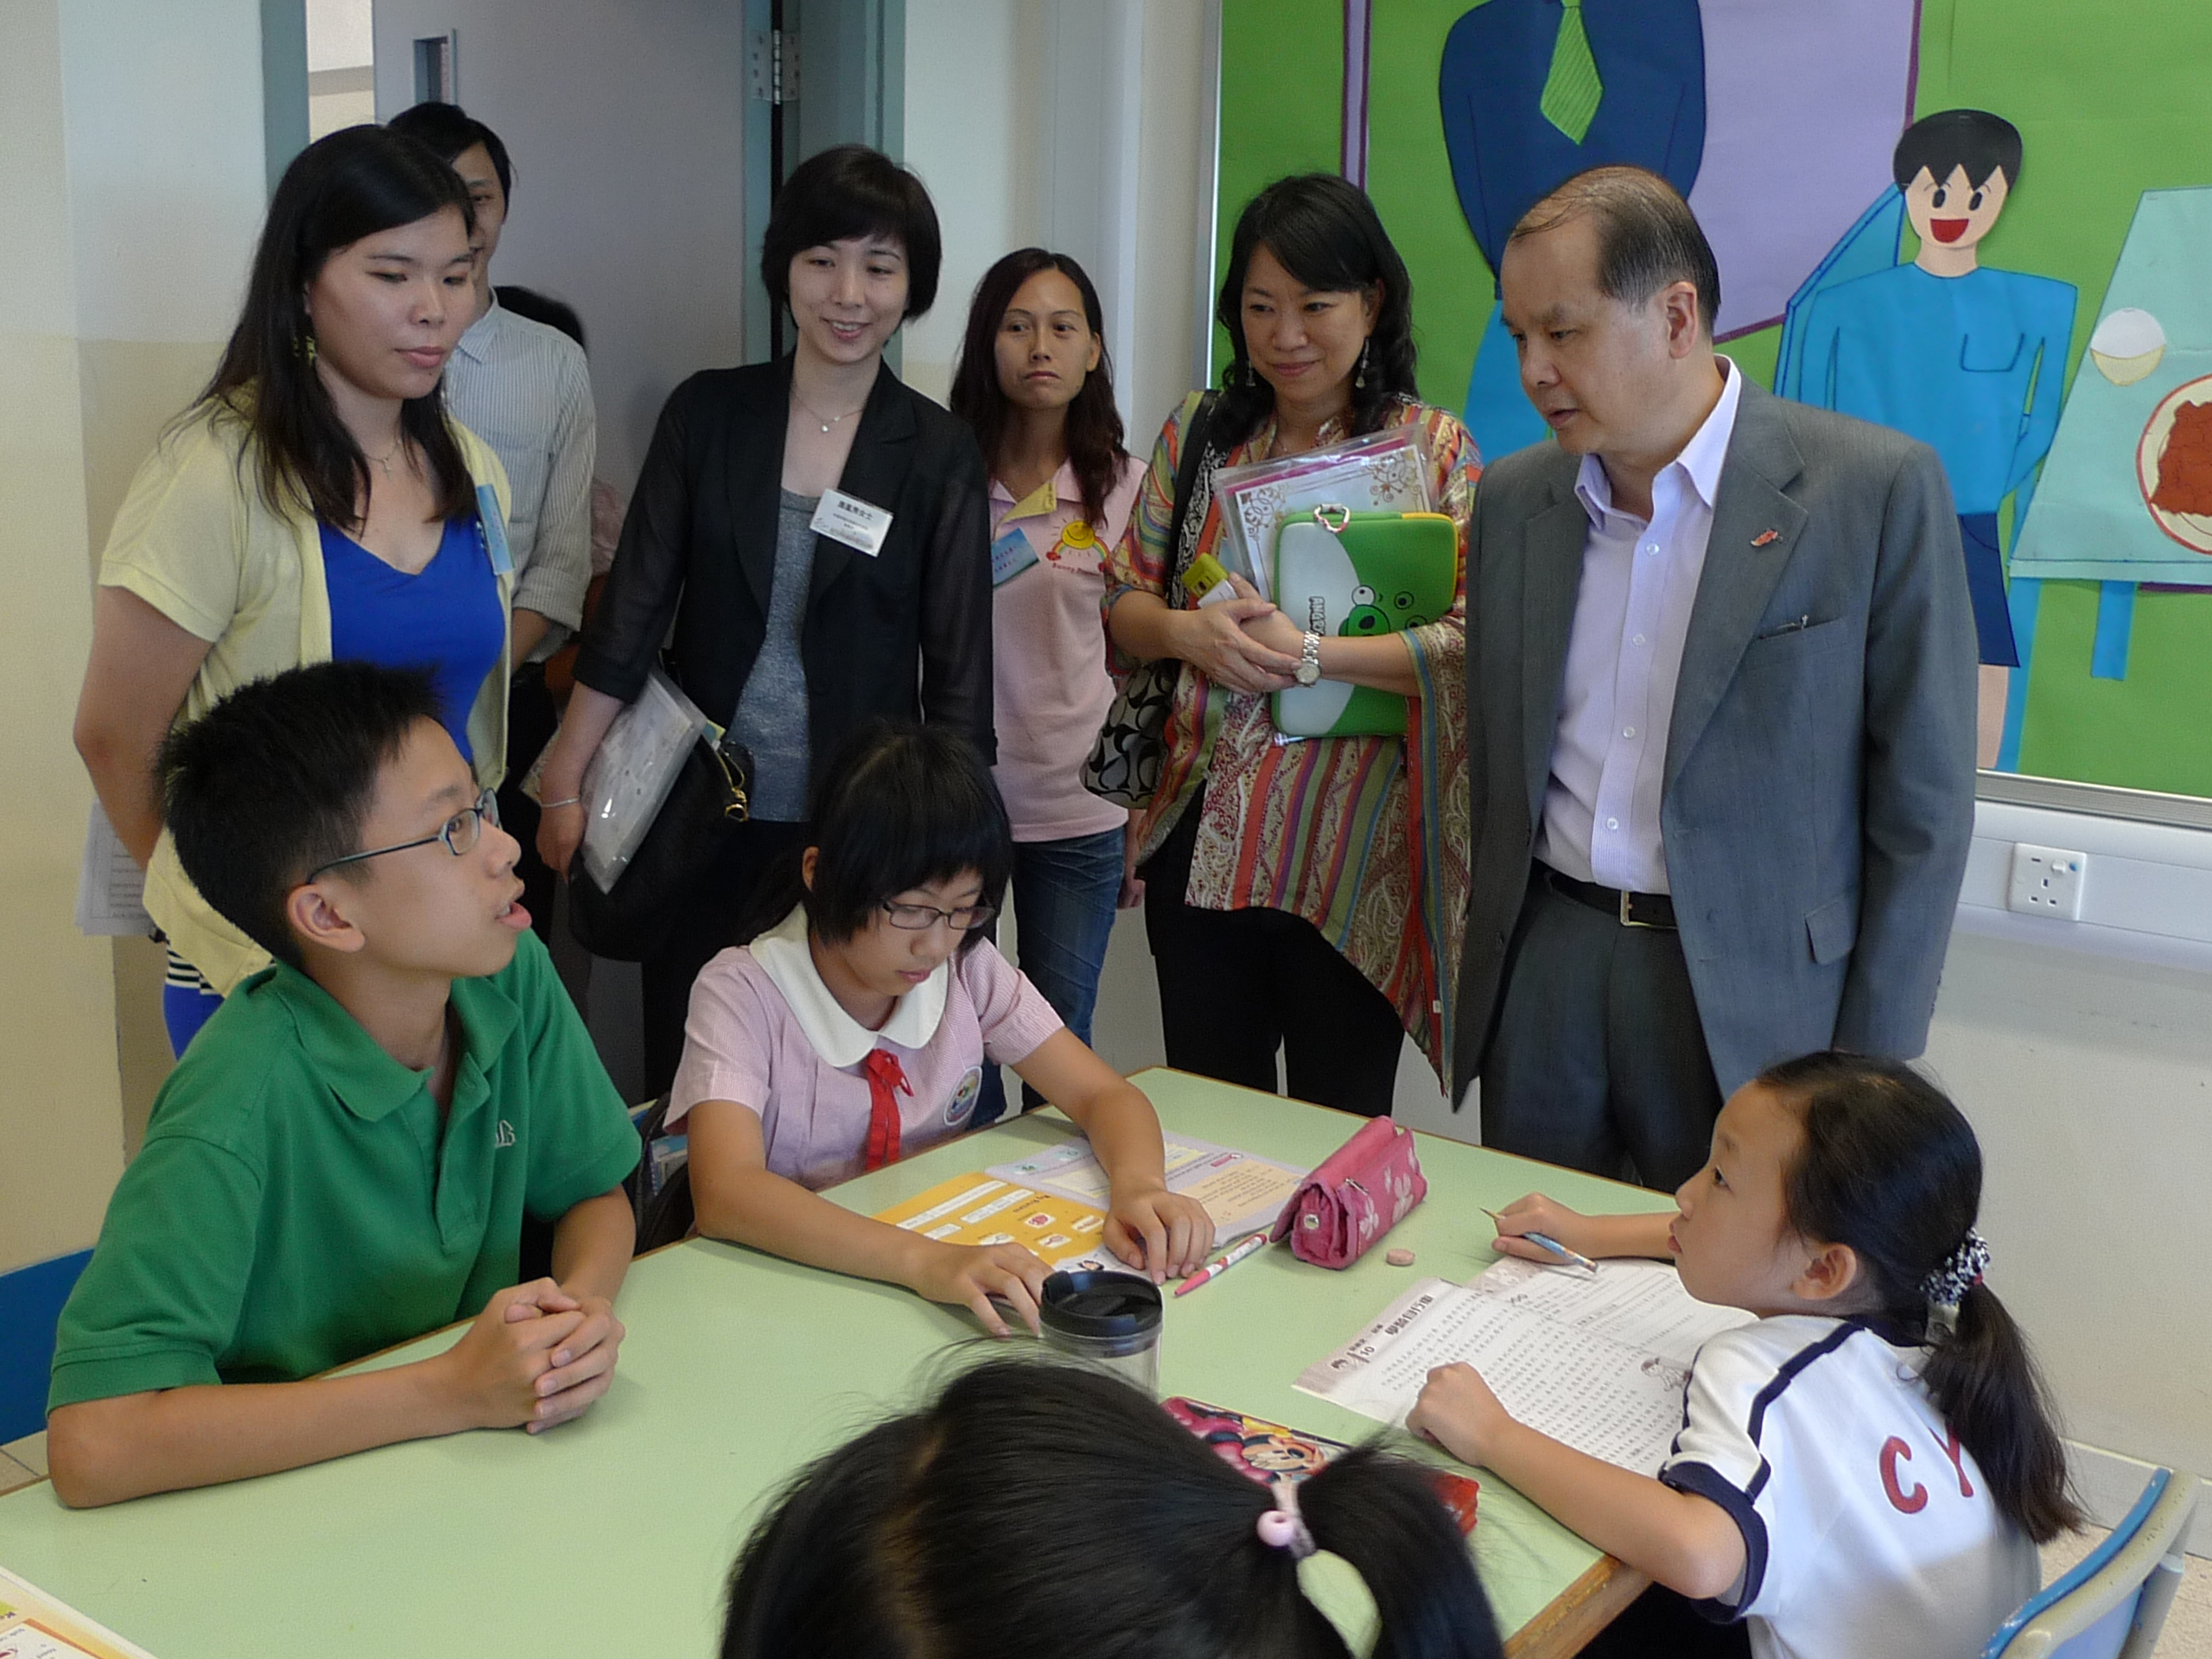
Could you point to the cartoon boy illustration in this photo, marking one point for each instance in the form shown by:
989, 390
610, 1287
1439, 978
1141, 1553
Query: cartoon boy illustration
1969, 359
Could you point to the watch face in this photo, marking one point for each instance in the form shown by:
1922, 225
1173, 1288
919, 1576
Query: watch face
1307, 673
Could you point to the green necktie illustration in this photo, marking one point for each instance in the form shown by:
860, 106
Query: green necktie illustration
1571, 90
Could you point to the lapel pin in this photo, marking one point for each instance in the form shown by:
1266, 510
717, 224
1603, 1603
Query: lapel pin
1766, 538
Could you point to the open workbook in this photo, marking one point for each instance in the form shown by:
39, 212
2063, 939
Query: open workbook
1598, 1361
34, 1625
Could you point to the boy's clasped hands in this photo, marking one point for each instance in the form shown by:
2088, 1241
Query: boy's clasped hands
534, 1358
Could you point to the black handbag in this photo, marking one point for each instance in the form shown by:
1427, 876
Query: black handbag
1123, 765
705, 805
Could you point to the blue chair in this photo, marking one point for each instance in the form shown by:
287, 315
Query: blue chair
30, 1304
2113, 1603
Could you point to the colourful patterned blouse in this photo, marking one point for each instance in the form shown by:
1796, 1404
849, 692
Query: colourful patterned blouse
1365, 837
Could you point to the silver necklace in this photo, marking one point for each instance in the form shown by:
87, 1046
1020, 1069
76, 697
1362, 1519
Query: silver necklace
827, 420
385, 460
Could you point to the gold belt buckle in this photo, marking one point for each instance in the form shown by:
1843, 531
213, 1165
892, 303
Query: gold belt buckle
1628, 920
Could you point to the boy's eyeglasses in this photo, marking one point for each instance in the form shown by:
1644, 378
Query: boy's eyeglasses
915, 918
460, 833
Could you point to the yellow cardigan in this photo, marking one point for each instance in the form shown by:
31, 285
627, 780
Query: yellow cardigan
196, 541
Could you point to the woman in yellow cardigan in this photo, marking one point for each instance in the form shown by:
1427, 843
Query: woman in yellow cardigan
314, 502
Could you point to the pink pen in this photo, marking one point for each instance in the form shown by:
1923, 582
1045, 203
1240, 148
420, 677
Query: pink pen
1229, 1258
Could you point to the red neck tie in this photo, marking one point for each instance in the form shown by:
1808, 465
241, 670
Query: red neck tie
885, 1075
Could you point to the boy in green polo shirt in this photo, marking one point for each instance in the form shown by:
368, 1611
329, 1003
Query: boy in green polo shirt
344, 1156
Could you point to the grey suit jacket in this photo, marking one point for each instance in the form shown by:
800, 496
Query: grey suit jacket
1818, 797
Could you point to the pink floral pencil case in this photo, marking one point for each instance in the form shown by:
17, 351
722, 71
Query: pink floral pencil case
1362, 1190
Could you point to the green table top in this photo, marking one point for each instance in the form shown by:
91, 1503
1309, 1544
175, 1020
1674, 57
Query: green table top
618, 1528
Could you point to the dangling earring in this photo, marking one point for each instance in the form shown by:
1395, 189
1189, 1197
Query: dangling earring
307, 349
1359, 379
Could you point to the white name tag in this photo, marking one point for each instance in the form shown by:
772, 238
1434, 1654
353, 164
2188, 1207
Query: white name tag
845, 518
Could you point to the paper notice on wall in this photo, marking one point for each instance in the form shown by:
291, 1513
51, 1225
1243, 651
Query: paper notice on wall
111, 887
1600, 1363
34, 1625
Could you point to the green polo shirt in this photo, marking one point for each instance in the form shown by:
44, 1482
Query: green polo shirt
297, 1203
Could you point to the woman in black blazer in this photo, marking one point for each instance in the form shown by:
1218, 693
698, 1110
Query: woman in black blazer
790, 637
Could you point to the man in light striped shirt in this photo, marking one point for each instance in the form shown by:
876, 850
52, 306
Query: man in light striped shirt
522, 387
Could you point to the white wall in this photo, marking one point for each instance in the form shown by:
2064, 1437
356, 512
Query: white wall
132, 197
1072, 124
625, 124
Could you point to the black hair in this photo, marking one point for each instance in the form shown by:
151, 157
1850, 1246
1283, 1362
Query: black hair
542, 308
1326, 234
1951, 139
846, 191
275, 781
1891, 1169
1093, 425
898, 805
1647, 238
943, 1533
354, 183
449, 130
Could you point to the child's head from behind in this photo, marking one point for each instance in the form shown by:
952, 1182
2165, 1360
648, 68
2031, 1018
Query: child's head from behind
273, 795
908, 829
1848, 1185
972, 1527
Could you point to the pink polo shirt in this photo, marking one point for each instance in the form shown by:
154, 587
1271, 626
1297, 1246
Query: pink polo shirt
765, 1031
1050, 691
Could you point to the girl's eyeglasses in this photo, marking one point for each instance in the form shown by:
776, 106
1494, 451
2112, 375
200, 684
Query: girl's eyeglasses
915, 918
460, 833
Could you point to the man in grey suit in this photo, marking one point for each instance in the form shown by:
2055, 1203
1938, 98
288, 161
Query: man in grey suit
1721, 673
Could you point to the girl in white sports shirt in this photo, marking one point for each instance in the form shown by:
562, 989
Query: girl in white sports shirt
1865, 1470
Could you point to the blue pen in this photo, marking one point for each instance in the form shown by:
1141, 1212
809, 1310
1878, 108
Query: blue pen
1543, 1241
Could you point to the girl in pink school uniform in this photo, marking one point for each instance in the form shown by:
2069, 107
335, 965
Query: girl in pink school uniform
855, 1027
1868, 1468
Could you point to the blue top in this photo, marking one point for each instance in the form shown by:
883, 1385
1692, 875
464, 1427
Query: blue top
1974, 365
446, 618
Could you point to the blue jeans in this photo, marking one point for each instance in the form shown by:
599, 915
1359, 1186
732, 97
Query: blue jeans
1063, 894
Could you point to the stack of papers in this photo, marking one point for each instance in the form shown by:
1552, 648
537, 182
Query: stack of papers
1243, 1193
32, 1626
1600, 1362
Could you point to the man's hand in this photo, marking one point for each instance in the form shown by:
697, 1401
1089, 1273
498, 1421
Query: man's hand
492, 1373
1166, 1231
971, 1274
1457, 1411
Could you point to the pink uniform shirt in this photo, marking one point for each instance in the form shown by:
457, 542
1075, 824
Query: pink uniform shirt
1050, 690
765, 1031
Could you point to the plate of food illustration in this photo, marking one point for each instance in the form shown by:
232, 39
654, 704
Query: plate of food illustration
2173, 464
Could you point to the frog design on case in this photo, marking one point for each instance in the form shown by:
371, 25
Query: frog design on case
1366, 619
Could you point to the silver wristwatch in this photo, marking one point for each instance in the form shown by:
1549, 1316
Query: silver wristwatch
1309, 657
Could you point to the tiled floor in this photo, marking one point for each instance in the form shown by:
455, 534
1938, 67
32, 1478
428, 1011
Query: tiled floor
2187, 1634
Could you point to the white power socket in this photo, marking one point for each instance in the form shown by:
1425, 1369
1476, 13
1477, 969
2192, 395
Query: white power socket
2047, 881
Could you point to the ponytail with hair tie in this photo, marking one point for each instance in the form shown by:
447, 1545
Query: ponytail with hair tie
1946, 1287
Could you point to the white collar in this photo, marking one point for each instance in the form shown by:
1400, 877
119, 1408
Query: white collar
837, 1036
1700, 461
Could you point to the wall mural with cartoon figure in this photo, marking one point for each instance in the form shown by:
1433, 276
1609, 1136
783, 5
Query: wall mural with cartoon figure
1985, 222
1965, 356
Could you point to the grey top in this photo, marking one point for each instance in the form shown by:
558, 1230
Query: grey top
771, 715
523, 388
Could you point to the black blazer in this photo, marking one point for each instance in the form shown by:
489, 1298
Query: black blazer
906, 633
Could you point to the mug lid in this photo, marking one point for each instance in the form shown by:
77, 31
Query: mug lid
1100, 1303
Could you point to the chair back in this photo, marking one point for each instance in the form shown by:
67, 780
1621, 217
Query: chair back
2113, 1603
660, 1187
30, 1306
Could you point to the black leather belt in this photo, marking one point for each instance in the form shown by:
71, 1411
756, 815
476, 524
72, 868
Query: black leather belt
1628, 909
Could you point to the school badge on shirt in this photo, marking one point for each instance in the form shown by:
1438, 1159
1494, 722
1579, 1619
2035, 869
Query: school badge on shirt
505, 1136
963, 1098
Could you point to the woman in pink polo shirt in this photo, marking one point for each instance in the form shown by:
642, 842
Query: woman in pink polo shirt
1034, 383
856, 1026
